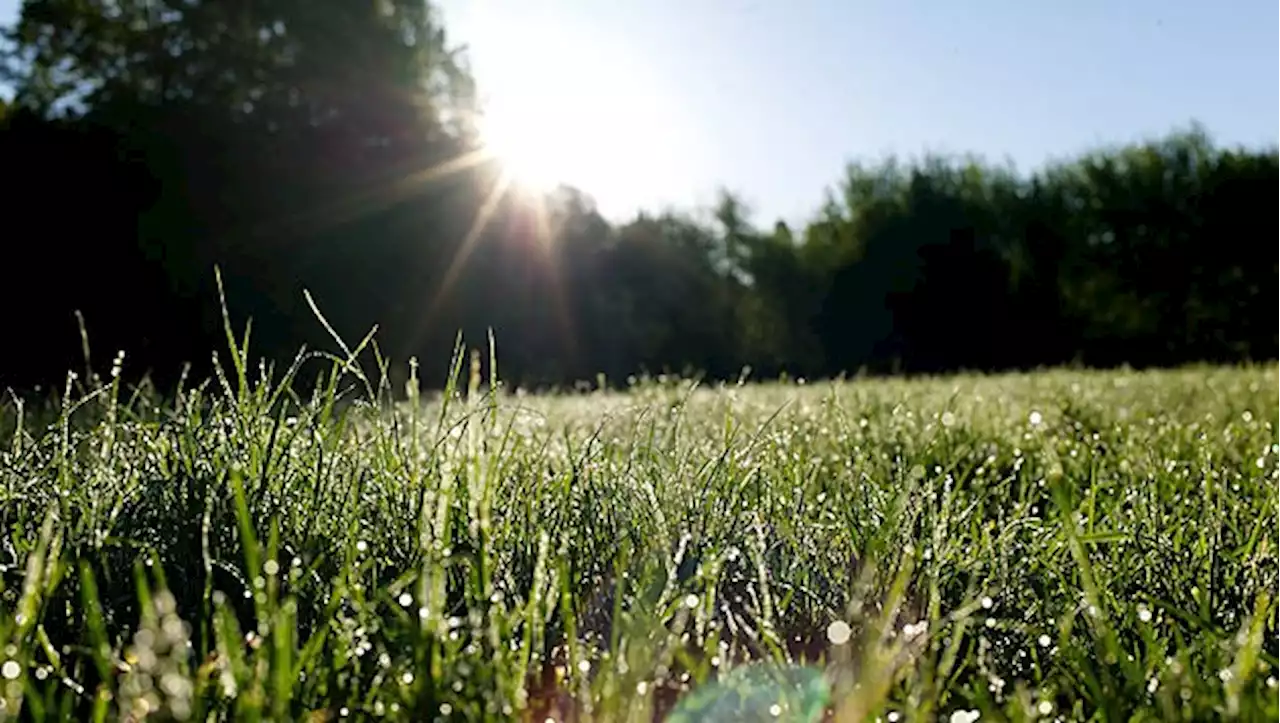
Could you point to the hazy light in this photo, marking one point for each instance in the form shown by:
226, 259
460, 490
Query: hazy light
564, 106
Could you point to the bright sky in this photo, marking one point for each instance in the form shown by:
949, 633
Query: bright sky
772, 97
652, 102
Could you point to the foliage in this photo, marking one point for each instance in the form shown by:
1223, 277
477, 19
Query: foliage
330, 146
313, 538
1085, 545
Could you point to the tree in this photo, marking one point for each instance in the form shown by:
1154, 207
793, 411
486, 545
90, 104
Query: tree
332, 147
282, 141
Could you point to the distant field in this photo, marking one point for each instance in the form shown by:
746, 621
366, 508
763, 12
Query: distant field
1061, 546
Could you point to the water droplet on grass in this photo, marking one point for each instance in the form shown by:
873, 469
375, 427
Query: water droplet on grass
839, 632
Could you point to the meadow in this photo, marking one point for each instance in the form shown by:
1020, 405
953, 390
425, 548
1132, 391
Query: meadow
1058, 545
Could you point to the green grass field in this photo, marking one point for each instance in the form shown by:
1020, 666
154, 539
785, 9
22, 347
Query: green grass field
1053, 546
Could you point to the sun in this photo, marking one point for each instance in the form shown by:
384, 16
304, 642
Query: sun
538, 143
563, 107
510, 138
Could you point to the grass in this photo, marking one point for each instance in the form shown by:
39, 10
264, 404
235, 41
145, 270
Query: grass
1065, 545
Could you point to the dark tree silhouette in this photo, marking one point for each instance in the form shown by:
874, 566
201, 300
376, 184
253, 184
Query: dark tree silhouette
330, 146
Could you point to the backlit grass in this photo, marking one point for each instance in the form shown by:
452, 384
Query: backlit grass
1059, 545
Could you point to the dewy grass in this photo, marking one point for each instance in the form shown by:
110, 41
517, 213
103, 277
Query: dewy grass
1060, 545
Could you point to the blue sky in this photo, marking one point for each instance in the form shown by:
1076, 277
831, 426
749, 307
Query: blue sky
784, 92
774, 96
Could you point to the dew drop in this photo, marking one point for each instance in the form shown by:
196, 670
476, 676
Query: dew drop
839, 632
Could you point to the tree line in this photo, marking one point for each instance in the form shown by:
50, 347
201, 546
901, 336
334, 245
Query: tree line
331, 146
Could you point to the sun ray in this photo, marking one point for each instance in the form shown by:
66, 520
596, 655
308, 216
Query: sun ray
370, 199
546, 237
481, 221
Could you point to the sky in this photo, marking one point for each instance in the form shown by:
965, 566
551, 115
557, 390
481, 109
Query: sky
771, 98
